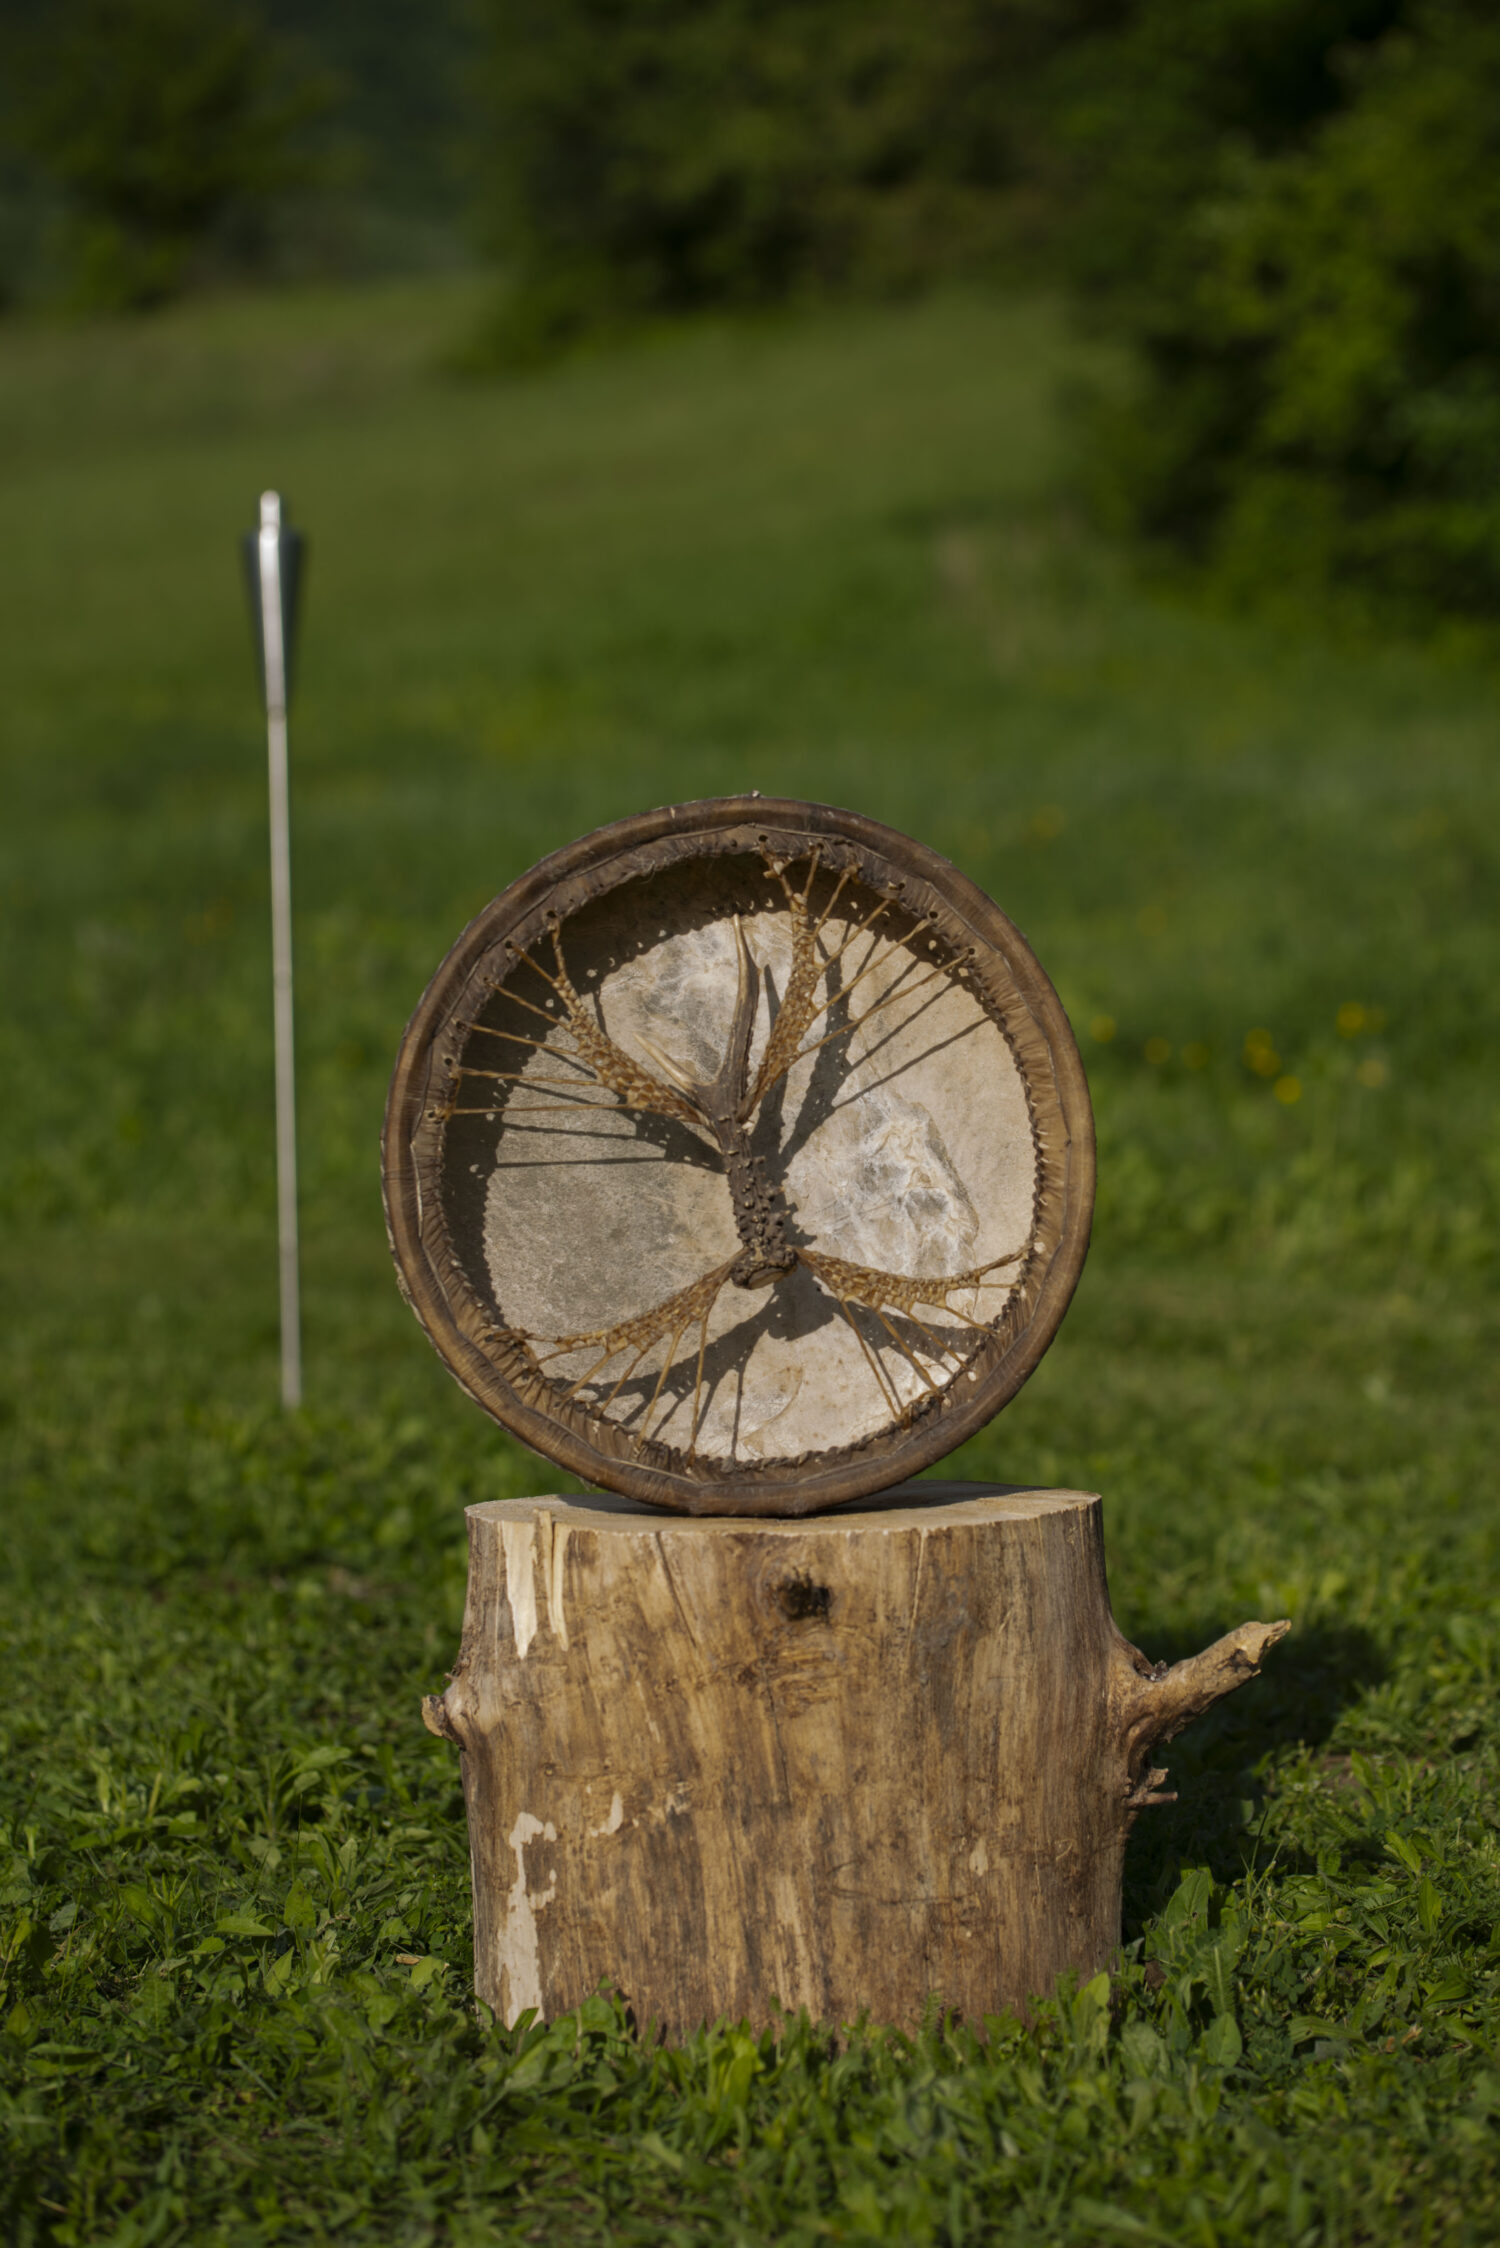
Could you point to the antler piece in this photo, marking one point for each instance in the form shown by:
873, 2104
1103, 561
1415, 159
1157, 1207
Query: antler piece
719, 1099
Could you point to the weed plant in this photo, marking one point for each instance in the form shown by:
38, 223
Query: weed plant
825, 557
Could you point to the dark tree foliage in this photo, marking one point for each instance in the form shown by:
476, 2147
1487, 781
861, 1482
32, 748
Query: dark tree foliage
1291, 210
1153, 111
165, 126
1286, 209
402, 68
652, 155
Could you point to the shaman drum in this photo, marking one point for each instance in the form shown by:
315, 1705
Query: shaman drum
739, 1158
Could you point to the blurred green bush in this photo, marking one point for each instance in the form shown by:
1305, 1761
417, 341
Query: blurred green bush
1291, 211
164, 130
1286, 209
666, 154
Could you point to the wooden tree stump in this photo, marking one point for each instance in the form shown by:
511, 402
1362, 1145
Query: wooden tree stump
843, 1762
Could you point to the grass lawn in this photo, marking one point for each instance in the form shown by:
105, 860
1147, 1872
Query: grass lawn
834, 558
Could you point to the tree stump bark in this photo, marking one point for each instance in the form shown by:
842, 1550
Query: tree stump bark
845, 1762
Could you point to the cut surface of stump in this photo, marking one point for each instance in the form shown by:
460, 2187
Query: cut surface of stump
843, 1762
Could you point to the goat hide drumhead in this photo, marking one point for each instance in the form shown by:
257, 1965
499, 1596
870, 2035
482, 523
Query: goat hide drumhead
739, 1158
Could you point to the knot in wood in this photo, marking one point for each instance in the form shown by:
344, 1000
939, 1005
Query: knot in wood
802, 1601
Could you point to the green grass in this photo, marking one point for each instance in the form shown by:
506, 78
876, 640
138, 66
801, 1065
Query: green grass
830, 557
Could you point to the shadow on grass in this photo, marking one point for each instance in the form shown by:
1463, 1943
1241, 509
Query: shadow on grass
1308, 1682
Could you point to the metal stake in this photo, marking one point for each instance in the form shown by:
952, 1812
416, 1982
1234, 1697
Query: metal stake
275, 653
